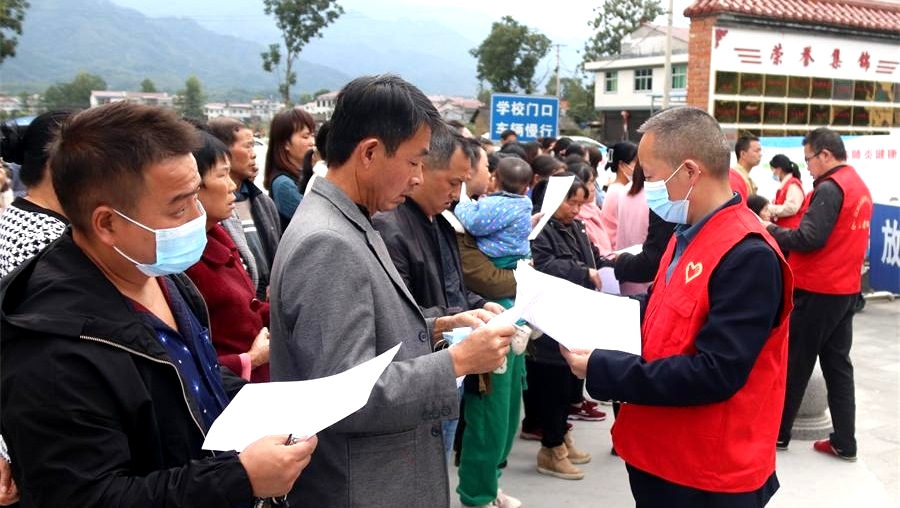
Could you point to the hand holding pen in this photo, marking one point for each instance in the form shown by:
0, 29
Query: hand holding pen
274, 463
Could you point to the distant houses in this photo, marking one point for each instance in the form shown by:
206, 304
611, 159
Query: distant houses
450, 108
255, 111
101, 97
322, 106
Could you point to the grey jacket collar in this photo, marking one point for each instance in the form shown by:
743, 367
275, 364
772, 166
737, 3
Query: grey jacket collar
351, 211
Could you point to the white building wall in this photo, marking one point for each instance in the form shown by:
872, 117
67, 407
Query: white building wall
626, 97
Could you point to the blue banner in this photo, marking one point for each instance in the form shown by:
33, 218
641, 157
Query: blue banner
529, 116
884, 248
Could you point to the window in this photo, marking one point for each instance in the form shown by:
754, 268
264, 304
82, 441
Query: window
643, 80
679, 77
612, 82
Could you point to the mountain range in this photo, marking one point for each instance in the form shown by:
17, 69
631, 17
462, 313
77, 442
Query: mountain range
126, 41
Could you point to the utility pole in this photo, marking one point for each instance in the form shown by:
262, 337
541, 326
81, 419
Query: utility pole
558, 92
667, 69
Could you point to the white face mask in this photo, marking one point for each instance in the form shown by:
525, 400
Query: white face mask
177, 249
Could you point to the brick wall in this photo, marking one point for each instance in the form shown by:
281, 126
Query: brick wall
699, 50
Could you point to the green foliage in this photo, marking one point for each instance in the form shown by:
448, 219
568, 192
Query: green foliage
509, 55
191, 99
147, 86
12, 13
299, 21
580, 98
616, 19
76, 94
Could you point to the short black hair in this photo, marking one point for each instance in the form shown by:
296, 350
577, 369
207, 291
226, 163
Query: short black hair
225, 129
756, 203
101, 154
514, 175
546, 165
384, 107
743, 144
31, 147
514, 149
824, 138
210, 152
507, 133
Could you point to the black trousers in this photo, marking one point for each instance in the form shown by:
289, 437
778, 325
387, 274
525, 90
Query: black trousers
822, 326
576, 394
549, 391
651, 491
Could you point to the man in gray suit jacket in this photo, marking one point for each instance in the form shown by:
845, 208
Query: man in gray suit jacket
337, 301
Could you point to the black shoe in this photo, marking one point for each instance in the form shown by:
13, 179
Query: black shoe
781, 445
502, 465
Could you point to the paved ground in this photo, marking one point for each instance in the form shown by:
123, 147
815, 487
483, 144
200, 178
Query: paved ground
808, 478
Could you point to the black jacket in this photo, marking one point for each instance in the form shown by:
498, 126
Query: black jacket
94, 411
565, 252
412, 242
642, 267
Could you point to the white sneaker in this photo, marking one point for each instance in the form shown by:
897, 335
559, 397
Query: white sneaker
504, 501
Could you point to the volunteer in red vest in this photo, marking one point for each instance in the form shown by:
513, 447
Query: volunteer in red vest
748, 151
787, 208
702, 403
827, 251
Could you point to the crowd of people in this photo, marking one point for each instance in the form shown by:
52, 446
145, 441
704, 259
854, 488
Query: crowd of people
146, 279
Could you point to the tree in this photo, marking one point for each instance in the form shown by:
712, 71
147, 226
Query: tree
580, 98
12, 13
299, 22
616, 19
191, 99
76, 94
509, 55
147, 86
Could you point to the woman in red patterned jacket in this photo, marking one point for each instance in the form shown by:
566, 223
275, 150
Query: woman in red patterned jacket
238, 320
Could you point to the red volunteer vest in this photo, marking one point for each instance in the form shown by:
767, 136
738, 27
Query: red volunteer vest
793, 221
736, 181
723, 447
836, 267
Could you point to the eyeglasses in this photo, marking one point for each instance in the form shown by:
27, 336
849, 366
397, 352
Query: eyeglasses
811, 157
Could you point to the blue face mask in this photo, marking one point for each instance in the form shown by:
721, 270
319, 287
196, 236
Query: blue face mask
177, 248
675, 212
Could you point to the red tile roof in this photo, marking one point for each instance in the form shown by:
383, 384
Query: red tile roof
879, 15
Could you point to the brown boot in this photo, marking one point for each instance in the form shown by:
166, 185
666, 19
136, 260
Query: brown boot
575, 456
555, 462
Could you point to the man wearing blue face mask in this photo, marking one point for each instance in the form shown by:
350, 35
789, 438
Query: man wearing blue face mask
109, 379
702, 403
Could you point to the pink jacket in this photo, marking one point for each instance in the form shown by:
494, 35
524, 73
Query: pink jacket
634, 219
591, 216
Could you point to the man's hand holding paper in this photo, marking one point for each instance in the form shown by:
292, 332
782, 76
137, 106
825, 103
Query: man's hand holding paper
548, 302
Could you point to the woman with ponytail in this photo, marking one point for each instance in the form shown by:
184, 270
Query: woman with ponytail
622, 160
788, 207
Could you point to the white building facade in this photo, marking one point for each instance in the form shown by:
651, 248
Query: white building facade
161, 99
629, 87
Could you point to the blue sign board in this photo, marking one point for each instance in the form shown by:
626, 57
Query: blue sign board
530, 116
884, 248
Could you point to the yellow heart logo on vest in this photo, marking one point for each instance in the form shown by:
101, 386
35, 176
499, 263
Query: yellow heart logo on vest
692, 271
